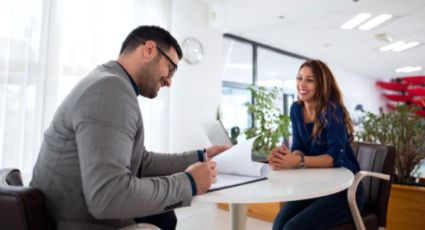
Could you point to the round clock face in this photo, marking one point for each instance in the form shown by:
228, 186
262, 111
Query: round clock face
193, 51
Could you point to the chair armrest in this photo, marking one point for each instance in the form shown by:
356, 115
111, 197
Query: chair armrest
351, 195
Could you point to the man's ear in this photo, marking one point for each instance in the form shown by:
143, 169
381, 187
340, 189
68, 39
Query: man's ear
149, 49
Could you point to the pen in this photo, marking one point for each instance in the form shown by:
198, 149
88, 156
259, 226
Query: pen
205, 155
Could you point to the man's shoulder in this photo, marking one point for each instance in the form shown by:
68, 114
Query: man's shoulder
108, 73
107, 81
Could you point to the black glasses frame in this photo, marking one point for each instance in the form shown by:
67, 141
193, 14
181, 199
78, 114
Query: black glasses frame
172, 71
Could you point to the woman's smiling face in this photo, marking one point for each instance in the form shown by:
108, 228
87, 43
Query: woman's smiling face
306, 85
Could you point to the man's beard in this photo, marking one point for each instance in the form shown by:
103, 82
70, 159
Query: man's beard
149, 83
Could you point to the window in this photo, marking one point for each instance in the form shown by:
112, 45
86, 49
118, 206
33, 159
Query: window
46, 47
233, 109
249, 63
238, 62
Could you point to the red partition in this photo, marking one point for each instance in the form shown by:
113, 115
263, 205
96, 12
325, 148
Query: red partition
396, 86
398, 97
421, 113
411, 91
419, 102
418, 91
415, 80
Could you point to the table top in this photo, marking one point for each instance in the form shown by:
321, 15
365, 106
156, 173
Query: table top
285, 185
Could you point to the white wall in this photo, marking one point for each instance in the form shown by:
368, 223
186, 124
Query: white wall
196, 91
358, 89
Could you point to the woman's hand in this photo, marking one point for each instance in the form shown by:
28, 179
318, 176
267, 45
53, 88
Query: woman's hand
281, 158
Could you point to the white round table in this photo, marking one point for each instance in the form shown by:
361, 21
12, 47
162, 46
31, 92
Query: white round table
282, 185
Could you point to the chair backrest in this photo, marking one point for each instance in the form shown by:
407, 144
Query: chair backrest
21, 207
376, 158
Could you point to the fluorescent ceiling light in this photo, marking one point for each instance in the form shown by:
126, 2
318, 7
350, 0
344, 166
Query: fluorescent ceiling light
357, 20
391, 46
406, 46
408, 69
374, 22
399, 46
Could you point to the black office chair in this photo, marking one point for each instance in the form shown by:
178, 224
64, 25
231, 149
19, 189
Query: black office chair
21, 208
377, 167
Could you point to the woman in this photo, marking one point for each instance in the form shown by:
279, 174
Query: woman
322, 135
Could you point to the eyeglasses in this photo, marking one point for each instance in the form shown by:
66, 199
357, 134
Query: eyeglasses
174, 69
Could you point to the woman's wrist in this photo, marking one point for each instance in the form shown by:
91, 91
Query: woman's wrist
301, 164
298, 152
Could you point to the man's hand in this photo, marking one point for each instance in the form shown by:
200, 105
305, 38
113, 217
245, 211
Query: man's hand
204, 174
216, 149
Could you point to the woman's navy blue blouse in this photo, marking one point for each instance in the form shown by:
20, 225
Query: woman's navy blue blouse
333, 140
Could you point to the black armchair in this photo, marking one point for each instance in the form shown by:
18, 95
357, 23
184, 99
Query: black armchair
377, 167
21, 207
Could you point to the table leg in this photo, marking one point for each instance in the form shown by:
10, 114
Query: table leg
238, 216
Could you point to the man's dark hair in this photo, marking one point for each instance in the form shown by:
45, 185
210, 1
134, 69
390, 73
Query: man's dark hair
155, 33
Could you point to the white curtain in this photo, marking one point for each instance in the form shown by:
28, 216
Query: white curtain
46, 47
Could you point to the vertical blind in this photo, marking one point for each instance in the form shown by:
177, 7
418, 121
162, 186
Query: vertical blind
46, 47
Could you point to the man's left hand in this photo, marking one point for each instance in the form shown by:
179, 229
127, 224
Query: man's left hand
216, 149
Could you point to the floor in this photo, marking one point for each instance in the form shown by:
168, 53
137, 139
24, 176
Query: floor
207, 216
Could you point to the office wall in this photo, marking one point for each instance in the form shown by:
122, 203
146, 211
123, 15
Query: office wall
196, 91
358, 89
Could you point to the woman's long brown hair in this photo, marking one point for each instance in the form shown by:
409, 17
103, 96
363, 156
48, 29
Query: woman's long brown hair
327, 94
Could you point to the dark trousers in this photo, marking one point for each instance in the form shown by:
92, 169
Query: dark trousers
164, 221
319, 213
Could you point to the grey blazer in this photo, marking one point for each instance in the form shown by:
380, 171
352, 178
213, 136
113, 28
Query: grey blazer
93, 167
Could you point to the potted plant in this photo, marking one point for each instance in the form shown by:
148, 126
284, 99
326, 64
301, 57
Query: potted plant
269, 124
403, 129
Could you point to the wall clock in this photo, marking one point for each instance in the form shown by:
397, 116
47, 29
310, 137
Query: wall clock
193, 52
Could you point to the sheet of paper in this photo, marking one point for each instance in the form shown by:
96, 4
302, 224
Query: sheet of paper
237, 160
235, 166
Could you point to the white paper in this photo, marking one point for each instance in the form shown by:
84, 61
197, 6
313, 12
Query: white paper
235, 166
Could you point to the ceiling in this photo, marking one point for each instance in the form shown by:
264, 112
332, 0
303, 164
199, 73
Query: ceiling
311, 28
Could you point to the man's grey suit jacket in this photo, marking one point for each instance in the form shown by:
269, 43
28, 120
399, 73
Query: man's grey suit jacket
93, 167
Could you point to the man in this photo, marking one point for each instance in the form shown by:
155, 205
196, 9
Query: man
93, 167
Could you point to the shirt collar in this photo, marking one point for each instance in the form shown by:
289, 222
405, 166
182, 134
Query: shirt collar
133, 83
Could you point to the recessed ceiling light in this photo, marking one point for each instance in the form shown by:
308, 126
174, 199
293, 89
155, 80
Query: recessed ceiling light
392, 46
408, 69
399, 46
374, 22
406, 46
357, 20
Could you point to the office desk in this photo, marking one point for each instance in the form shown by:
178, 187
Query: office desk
283, 185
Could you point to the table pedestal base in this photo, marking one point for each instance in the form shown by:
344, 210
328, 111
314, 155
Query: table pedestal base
238, 216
